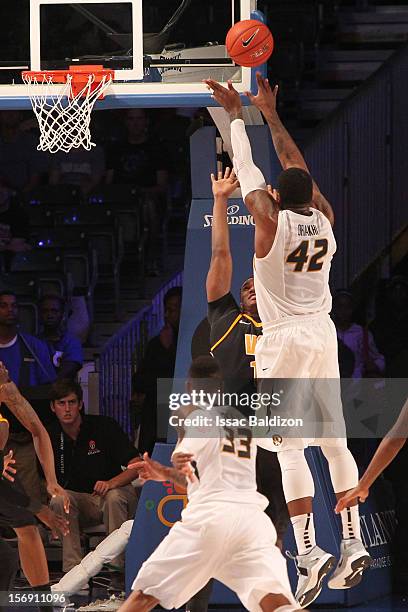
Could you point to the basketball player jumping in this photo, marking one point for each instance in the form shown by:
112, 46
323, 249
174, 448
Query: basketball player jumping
294, 245
224, 532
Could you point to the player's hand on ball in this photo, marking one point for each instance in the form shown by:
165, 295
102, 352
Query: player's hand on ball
265, 99
360, 492
224, 185
228, 97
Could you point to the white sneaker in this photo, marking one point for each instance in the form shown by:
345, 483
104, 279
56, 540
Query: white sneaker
105, 605
354, 559
312, 568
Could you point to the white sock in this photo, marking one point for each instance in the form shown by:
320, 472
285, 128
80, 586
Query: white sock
303, 528
350, 520
250, 177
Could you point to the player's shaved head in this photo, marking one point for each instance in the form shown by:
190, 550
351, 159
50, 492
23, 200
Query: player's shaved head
204, 374
295, 187
204, 366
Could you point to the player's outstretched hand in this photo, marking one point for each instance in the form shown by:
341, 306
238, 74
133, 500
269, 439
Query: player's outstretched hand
8, 470
228, 97
224, 185
149, 469
265, 99
360, 492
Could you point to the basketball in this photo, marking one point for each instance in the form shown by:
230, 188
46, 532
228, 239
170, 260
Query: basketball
249, 43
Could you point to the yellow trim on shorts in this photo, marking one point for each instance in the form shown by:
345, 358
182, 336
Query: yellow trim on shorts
229, 330
2, 419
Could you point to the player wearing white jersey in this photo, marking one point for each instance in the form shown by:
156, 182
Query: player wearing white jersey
294, 245
224, 532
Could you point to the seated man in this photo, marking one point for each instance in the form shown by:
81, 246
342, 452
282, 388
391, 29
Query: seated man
90, 452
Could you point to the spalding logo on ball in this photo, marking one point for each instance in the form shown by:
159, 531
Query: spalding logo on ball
249, 43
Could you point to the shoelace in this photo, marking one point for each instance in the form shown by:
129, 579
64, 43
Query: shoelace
293, 558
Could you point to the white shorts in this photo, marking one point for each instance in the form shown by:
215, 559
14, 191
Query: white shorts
231, 543
304, 352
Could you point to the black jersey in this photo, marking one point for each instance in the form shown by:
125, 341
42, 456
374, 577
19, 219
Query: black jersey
233, 337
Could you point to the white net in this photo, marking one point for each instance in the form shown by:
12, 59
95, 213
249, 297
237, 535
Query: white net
64, 116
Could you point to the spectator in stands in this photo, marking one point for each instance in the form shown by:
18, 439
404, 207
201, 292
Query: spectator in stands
65, 349
158, 362
390, 327
141, 161
367, 359
90, 452
79, 167
171, 131
346, 360
28, 362
14, 225
21, 165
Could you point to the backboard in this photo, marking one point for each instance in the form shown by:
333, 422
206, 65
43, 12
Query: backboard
160, 49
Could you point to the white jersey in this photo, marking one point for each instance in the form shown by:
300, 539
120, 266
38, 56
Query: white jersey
293, 278
225, 459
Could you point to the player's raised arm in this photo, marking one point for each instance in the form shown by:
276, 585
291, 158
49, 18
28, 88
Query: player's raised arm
220, 273
255, 194
385, 453
286, 149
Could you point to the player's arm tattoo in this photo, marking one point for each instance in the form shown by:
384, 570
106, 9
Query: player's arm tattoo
290, 156
21, 408
286, 149
320, 203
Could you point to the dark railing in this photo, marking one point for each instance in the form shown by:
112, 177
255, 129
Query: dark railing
358, 157
123, 351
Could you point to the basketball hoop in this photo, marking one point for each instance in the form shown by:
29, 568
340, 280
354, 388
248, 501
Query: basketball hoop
64, 113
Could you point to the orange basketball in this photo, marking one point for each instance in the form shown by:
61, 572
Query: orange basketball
249, 43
